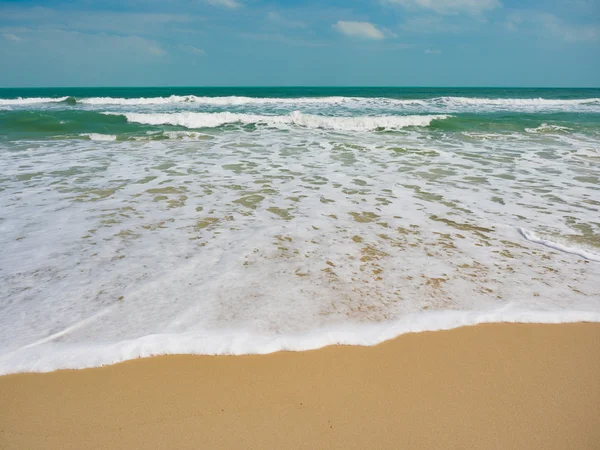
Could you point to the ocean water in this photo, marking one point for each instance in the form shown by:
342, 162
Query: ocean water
145, 221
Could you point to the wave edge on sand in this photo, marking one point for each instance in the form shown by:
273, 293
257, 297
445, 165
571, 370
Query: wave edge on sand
46, 356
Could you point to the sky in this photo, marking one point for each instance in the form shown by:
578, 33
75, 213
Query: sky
545, 43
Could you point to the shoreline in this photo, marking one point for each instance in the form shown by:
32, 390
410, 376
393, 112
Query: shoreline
41, 358
482, 386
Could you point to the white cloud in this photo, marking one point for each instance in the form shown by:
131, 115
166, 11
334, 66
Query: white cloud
433, 51
448, 6
193, 50
225, 3
364, 30
567, 32
12, 37
550, 24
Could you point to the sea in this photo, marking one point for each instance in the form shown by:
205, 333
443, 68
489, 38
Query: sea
149, 221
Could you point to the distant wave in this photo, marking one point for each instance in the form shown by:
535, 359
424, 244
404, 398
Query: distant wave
211, 120
436, 101
517, 101
32, 100
235, 100
434, 105
533, 237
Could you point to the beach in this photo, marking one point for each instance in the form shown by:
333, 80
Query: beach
235, 224
299, 267
489, 386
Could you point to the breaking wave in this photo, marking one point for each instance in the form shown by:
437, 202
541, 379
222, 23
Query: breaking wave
518, 101
212, 120
32, 100
230, 101
436, 102
545, 128
99, 137
442, 104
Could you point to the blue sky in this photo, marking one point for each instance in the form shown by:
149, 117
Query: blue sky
326, 42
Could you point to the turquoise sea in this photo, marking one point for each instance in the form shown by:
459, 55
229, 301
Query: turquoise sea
142, 221
72, 112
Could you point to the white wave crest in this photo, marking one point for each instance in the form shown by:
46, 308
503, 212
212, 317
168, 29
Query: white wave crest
211, 120
337, 100
545, 128
507, 102
31, 100
99, 137
533, 237
236, 100
436, 102
191, 135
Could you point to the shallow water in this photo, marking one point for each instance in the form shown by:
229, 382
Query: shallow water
246, 221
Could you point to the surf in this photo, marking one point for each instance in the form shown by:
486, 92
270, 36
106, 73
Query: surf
32, 100
212, 120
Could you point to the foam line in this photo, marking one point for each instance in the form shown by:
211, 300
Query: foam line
518, 101
31, 100
531, 236
238, 342
237, 100
211, 120
545, 128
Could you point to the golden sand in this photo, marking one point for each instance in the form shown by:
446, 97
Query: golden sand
500, 386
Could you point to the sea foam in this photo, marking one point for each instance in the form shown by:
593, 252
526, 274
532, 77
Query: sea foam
341, 100
298, 233
99, 137
450, 103
31, 100
47, 357
518, 101
567, 248
211, 120
546, 128
237, 100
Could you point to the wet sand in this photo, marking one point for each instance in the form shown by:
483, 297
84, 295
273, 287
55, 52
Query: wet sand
489, 386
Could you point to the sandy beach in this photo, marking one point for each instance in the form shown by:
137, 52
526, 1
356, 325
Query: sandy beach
488, 386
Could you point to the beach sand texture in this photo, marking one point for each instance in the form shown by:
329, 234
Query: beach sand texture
504, 386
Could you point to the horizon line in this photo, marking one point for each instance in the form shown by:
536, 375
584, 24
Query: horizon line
299, 86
